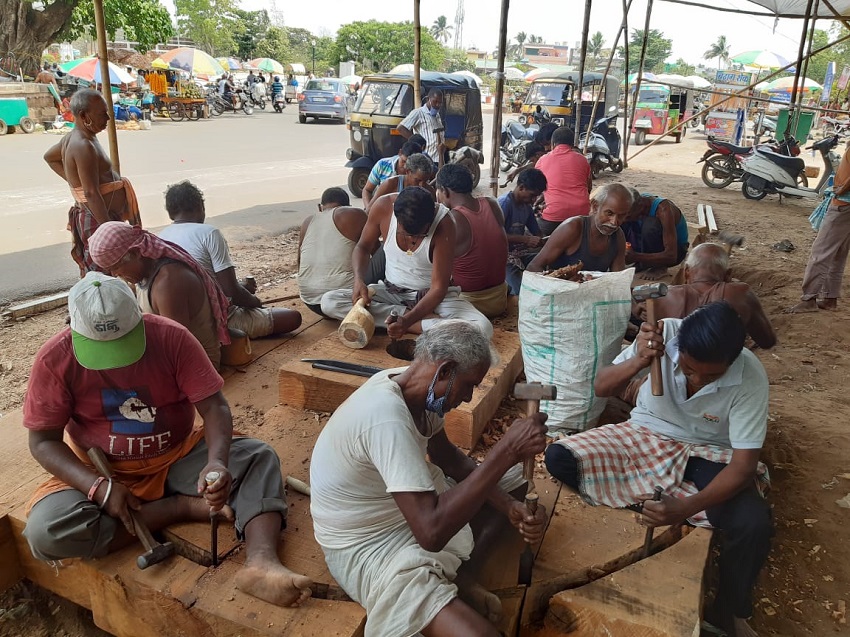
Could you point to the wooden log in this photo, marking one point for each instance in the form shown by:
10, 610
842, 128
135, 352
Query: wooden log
36, 306
710, 220
701, 220
358, 326
10, 567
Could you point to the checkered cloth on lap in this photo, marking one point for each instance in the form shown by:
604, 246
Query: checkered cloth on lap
620, 465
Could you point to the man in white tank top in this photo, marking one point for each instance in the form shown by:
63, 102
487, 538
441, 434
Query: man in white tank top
419, 243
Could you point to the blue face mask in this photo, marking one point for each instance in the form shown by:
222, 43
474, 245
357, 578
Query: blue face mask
434, 404
433, 111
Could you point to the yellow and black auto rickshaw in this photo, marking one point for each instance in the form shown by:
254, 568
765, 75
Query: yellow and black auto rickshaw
385, 100
556, 92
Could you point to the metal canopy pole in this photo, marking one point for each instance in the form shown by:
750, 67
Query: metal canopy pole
577, 100
105, 84
497, 103
417, 54
626, 119
640, 70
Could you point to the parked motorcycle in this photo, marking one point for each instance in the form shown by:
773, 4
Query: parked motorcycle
279, 102
602, 149
255, 95
516, 135
723, 160
832, 126
766, 172
221, 105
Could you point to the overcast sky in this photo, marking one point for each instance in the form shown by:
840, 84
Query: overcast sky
691, 29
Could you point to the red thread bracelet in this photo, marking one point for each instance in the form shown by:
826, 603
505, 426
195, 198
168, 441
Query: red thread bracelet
94, 487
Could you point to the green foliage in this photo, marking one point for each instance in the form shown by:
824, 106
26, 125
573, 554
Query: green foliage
719, 50
441, 29
456, 60
274, 45
658, 49
250, 29
680, 67
144, 21
595, 45
379, 46
211, 24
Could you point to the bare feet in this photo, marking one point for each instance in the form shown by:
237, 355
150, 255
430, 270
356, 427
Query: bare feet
196, 509
742, 628
485, 603
653, 274
810, 305
828, 304
273, 582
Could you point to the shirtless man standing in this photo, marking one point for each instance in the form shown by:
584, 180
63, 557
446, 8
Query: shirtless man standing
100, 194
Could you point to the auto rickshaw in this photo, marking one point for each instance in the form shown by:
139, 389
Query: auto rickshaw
660, 108
385, 100
556, 92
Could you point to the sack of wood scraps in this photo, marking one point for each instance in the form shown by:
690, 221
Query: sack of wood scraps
569, 331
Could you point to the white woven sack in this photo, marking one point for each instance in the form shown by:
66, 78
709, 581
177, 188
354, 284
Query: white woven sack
569, 331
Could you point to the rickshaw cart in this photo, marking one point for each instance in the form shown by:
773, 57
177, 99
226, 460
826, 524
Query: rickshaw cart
385, 100
556, 92
659, 108
179, 108
15, 112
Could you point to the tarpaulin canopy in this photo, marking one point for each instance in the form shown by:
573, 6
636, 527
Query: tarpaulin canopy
774, 8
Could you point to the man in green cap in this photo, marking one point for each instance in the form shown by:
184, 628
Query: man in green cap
130, 384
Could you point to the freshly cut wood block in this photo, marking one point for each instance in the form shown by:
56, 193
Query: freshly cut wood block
10, 568
303, 387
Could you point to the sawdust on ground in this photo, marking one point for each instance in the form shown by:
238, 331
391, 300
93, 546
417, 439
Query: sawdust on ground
808, 446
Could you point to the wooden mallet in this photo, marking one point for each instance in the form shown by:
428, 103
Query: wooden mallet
533, 393
358, 326
648, 294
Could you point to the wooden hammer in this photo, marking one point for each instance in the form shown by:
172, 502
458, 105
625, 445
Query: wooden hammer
154, 551
358, 326
649, 293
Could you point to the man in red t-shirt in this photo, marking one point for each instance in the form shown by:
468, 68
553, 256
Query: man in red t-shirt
568, 181
130, 384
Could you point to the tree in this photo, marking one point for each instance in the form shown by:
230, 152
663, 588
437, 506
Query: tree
719, 50
595, 45
658, 49
441, 29
251, 29
456, 60
209, 23
515, 52
683, 68
27, 28
535, 39
379, 46
145, 22
274, 45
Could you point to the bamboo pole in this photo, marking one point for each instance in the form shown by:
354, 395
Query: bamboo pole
798, 67
417, 54
605, 74
577, 99
640, 72
740, 93
105, 85
626, 119
497, 102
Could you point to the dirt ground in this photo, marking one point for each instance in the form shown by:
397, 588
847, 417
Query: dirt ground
807, 580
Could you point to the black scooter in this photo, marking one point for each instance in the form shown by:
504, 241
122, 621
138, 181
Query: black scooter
516, 135
603, 148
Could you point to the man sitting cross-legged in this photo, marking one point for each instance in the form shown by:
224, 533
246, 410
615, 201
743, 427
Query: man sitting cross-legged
419, 245
404, 534
658, 233
205, 243
700, 442
130, 384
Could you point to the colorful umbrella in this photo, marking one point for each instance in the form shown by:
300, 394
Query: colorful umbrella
785, 84
646, 77
89, 69
230, 64
266, 64
472, 76
699, 82
193, 61
535, 73
513, 73
351, 80
760, 59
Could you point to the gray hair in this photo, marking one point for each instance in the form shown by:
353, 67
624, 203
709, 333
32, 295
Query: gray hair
82, 100
419, 163
457, 341
601, 194
708, 257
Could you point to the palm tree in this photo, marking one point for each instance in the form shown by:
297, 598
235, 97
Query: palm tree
441, 29
594, 46
521, 37
719, 50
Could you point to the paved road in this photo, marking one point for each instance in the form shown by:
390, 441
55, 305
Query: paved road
265, 172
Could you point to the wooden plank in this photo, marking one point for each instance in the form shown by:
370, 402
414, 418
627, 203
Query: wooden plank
192, 540
701, 220
303, 387
656, 597
10, 567
710, 220
37, 306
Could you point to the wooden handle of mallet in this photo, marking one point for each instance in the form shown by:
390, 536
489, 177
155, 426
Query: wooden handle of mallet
655, 366
528, 464
100, 462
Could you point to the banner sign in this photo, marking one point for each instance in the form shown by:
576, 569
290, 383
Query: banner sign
845, 77
733, 78
829, 78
